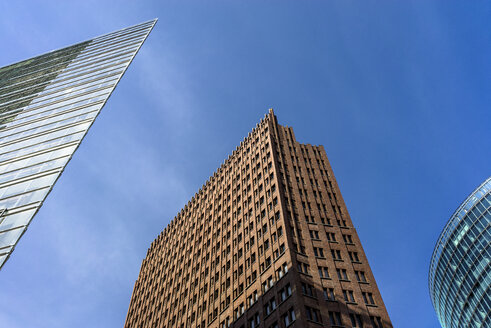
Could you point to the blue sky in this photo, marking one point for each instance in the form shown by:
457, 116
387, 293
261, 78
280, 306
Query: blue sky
398, 92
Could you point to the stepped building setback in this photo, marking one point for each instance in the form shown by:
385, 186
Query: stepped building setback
47, 105
266, 242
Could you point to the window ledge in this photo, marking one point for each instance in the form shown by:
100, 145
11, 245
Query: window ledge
236, 297
301, 254
309, 296
315, 322
284, 300
267, 315
279, 256
224, 309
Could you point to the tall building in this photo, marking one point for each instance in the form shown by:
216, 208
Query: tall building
47, 104
460, 269
266, 242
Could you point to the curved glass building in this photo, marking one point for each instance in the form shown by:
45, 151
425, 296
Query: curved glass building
460, 271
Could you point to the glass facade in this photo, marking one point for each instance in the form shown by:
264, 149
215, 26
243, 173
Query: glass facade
460, 271
47, 104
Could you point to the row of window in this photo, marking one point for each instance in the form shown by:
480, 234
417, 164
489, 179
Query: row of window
331, 237
324, 272
335, 318
355, 320
269, 307
308, 289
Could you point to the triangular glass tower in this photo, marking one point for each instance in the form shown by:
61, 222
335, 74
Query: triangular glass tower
47, 105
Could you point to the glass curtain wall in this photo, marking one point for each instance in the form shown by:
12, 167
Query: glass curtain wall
460, 268
47, 104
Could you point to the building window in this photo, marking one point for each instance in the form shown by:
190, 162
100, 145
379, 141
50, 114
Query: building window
265, 286
289, 317
282, 271
254, 321
331, 236
268, 262
323, 272
360, 276
336, 254
270, 306
342, 274
252, 298
356, 321
348, 296
226, 323
314, 234
313, 314
335, 318
307, 289
318, 252
354, 256
303, 268
368, 298
348, 239
376, 322
285, 292
329, 294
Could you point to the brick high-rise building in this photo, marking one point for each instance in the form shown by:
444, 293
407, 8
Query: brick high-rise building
266, 242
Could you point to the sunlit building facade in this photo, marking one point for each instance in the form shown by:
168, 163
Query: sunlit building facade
266, 242
47, 104
460, 269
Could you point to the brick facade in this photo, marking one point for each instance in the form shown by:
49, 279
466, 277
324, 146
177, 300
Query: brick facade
266, 242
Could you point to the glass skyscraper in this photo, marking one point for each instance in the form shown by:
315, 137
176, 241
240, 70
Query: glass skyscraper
460, 270
47, 104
